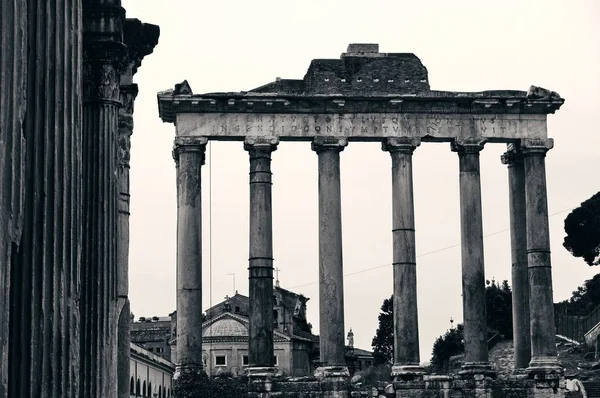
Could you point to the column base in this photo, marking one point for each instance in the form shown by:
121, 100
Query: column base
332, 372
261, 372
407, 372
544, 365
472, 369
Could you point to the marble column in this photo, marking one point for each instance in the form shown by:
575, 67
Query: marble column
13, 73
43, 354
331, 271
513, 158
140, 39
473, 278
260, 349
541, 308
103, 56
406, 320
189, 156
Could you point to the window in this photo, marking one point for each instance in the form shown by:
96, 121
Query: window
220, 360
245, 360
132, 386
275, 318
137, 387
144, 390
159, 349
275, 360
237, 308
151, 349
150, 389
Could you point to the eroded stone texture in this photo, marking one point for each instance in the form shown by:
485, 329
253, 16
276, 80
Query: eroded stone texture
260, 342
189, 156
13, 72
43, 358
331, 271
518, 234
140, 40
473, 279
104, 54
406, 323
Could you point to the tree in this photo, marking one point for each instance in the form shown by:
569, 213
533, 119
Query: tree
498, 301
585, 298
445, 346
582, 227
383, 342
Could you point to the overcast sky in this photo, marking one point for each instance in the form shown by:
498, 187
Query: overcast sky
465, 45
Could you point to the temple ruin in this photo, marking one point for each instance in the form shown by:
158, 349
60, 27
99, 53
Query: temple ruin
366, 95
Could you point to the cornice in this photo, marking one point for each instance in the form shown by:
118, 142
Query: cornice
182, 100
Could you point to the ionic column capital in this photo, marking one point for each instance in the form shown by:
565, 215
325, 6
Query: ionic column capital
401, 144
324, 143
513, 155
189, 144
261, 145
467, 145
531, 146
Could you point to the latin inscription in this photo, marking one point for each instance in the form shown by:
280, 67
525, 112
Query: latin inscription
434, 126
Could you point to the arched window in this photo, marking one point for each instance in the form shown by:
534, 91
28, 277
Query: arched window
132, 386
144, 390
137, 387
149, 388
164, 390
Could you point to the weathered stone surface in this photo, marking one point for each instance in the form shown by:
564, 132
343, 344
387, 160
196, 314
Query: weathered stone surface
520, 278
543, 345
42, 199
406, 323
189, 157
331, 272
260, 349
473, 279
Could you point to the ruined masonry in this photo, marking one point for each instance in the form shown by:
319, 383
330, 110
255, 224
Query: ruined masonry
367, 95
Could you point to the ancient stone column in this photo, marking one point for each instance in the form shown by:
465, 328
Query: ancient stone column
541, 307
140, 40
103, 56
189, 155
473, 278
513, 158
406, 322
331, 271
260, 348
13, 73
43, 151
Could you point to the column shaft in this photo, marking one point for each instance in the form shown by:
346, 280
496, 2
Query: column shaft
189, 154
103, 54
541, 307
406, 322
518, 242
473, 278
260, 252
13, 73
331, 271
43, 357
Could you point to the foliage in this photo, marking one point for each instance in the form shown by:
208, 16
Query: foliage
582, 227
383, 342
498, 301
585, 298
375, 375
445, 346
199, 385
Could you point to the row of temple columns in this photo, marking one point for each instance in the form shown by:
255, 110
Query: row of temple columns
532, 282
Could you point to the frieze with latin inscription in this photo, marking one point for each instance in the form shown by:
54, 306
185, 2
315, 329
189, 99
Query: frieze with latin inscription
432, 127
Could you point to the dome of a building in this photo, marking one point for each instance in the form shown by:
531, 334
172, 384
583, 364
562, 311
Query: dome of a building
225, 327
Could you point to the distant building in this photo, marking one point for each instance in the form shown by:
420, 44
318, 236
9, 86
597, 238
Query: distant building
151, 375
225, 337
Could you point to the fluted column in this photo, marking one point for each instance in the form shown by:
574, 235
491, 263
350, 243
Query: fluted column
13, 73
541, 308
43, 357
189, 156
406, 320
473, 278
104, 54
140, 39
260, 344
331, 271
513, 158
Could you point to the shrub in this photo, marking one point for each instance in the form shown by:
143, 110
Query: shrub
199, 385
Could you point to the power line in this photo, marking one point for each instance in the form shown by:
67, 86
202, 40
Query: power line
424, 254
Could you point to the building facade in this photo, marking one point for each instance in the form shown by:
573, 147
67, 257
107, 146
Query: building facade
150, 374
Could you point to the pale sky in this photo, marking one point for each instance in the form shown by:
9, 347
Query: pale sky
465, 45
